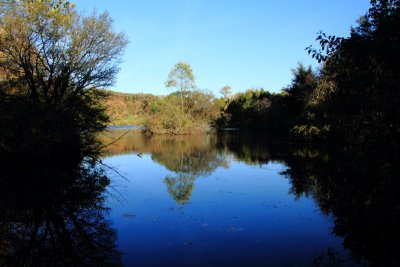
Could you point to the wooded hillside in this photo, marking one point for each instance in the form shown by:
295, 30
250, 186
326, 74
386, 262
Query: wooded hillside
129, 109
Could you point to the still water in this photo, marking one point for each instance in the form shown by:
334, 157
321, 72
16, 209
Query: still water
215, 200
230, 199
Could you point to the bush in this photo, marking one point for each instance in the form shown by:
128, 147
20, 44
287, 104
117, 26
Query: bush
200, 110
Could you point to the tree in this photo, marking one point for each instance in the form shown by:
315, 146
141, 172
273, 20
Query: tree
364, 107
303, 84
182, 78
226, 91
52, 61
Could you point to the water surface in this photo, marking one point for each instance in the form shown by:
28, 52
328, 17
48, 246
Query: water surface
231, 199
224, 200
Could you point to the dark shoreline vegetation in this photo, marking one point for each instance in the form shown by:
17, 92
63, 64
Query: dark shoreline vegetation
53, 213
53, 191
55, 65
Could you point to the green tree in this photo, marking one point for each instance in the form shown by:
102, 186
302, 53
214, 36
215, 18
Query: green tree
51, 61
364, 106
300, 95
248, 109
303, 84
182, 78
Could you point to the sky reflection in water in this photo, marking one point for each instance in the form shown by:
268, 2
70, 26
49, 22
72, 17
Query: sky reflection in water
211, 201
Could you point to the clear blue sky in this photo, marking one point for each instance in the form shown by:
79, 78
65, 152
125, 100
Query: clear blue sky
241, 43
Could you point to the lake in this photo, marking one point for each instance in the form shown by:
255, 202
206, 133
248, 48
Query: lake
230, 199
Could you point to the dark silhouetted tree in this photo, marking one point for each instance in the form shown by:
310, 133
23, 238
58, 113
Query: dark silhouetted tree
52, 60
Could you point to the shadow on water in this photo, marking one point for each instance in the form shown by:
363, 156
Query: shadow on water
359, 189
52, 213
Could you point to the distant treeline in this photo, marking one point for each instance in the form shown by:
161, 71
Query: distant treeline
290, 113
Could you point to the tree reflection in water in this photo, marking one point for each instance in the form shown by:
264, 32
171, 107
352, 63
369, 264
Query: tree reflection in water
52, 214
180, 187
189, 157
189, 160
361, 190
358, 188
